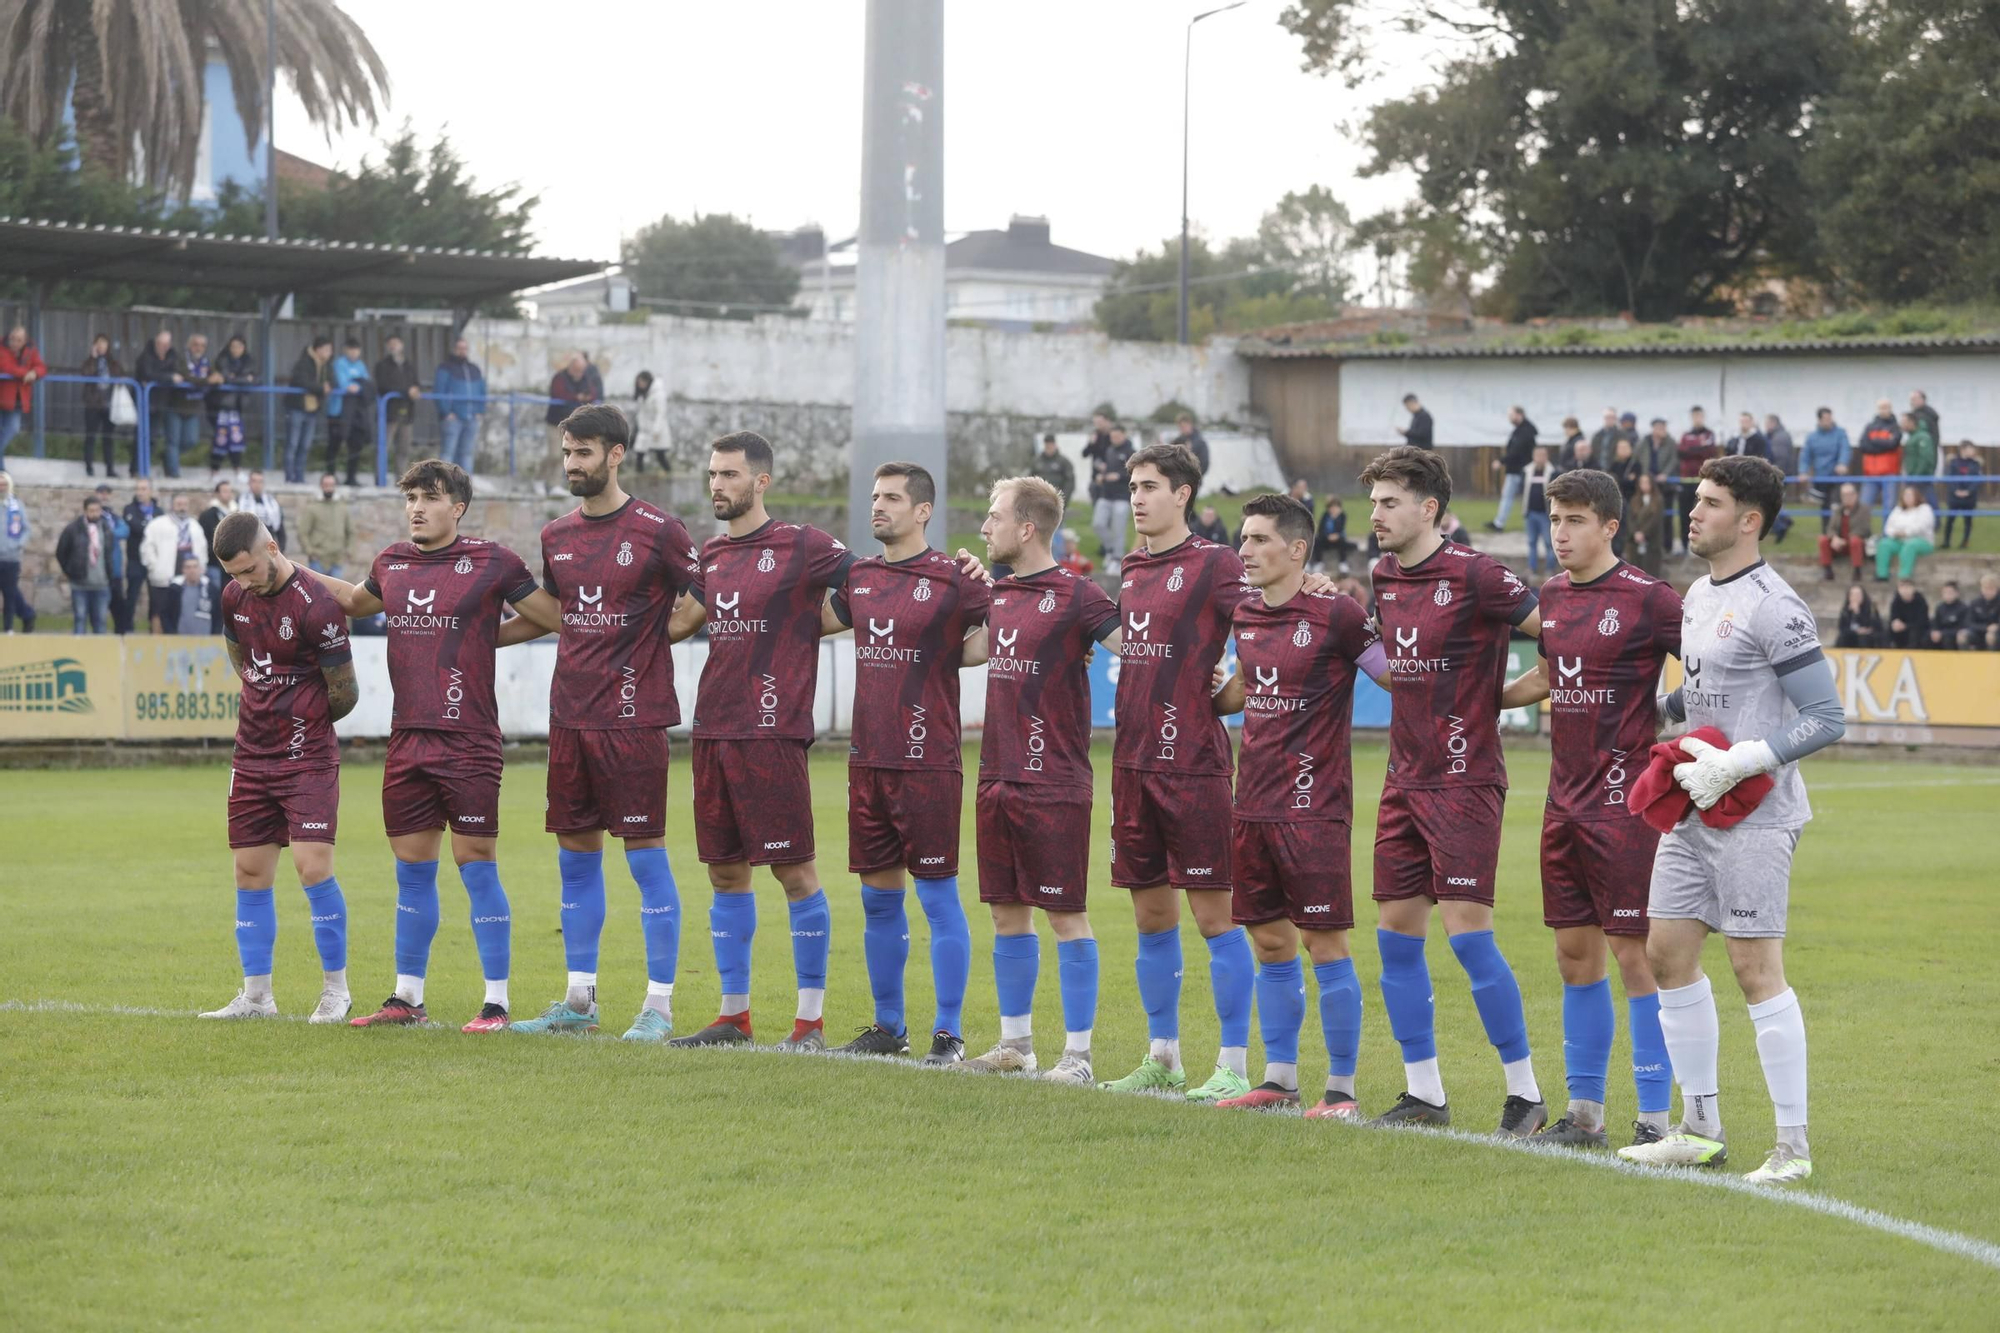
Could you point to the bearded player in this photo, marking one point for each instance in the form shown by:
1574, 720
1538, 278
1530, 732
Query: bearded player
1297, 656
760, 590
1755, 672
616, 566
443, 594
1607, 629
288, 641
1445, 612
918, 618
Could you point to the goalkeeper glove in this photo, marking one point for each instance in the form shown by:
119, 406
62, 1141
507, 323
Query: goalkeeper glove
1713, 771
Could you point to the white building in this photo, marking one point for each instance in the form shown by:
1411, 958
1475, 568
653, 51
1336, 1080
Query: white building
582, 301
1012, 279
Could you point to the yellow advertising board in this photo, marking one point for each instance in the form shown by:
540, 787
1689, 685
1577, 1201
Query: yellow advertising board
179, 686
1894, 687
54, 687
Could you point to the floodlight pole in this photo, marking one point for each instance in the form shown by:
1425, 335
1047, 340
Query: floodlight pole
1187, 66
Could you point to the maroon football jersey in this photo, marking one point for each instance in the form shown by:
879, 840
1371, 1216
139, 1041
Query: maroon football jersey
1176, 607
910, 618
617, 576
1038, 638
442, 608
1605, 642
283, 722
763, 592
1297, 662
1444, 622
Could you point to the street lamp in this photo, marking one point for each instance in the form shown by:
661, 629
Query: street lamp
1187, 64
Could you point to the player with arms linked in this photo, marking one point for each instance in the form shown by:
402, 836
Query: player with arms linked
288, 641
443, 594
1607, 629
615, 565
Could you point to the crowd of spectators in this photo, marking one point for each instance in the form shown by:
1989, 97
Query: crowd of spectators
1954, 622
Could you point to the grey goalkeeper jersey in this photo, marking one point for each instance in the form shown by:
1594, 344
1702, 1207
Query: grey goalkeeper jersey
1739, 639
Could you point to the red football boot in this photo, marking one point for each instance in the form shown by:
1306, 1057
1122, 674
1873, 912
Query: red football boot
395, 1012
492, 1018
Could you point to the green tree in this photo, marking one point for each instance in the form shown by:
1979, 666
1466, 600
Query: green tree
1441, 258
1908, 162
1241, 286
1311, 235
721, 266
1639, 155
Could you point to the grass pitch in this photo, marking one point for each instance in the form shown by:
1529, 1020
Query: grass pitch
164, 1173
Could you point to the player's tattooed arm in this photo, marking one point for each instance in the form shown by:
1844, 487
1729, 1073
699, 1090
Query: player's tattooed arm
355, 602
343, 691
1530, 687
689, 615
974, 651
518, 629
1229, 698
235, 654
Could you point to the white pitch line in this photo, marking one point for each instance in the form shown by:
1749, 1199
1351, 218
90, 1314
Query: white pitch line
1982, 1252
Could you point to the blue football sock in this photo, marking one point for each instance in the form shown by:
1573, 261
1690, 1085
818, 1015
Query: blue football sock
256, 930
1406, 994
1076, 970
1232, 975
812, 940
732, 925
1587, 1027
328, 909
885, 943
1339, 1014
582, 906
951, 950
1159, 969
1281, 1009
659, 910
416, 915
1016, 960
1495, 993
492, 923
1652, 1075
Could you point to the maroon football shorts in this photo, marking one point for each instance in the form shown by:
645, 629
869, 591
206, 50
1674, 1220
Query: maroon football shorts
1598, 874
1302, 870
1034, 844
906, 817
1170, 829
279, 809
1438, 843
612, 780
752, 802
442, 779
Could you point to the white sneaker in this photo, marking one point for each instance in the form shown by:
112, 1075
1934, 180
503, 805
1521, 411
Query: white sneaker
1073, 1068
333, 1006
243, 1006
1002, 1059
1782, 1167
1679, 1148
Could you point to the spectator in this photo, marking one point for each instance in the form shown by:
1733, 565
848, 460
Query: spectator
1962, 491
302, 411
348, 408
85, 555
1828, 454
1624, 469
1645, 514
1881, 453
1419, 432
159, 372
234, 370
1300, 492
1982, 617
576, 384
396, 374
1908, 530
1449, 527
171, 540
1697, 446
1920, 453
1583, 454
1748, 440
1330, 543
460, 391
1191, 437
14, 528
1604, 442
266, 507
190, 399
1656, 457
121, 536
1783, 453
1072, 557
1110, 493
21, 365
197, 607
220, 506
101, 368
1860, 622
1351, 587
1513, 461
326, 530
1535, 502
1947, 619
1572, 437
1054, 468
1210, 527
139, 514
1847, 538
1921, 409
1909, 617
649, 422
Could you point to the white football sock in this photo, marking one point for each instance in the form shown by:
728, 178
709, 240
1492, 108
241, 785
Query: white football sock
1426, 1084
1341, 1086
812, 1003
1236, 1059
335, 981
258, 988
1019, 1027
1285, 1076
660, 997
582, 991
1520, 1075
1586, 1115
1781, 1046
733, 1005
1692, 1033
1077, 1043
409, 989
1167, 1050
496, 992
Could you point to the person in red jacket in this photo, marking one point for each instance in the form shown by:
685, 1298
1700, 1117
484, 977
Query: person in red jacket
1881, 450
1696, 448
20, 366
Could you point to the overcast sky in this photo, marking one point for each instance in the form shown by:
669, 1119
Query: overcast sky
618, 111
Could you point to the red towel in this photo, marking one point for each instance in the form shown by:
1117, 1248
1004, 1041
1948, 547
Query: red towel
1659, 800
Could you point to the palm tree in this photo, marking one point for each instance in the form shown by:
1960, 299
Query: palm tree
132, 72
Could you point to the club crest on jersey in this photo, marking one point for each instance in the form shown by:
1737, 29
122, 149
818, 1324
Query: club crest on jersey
284, 627
464, 565
767, 561
1609, 625
624, 553
1725, 626
1443, 594
923, 592
1174, 580
1302, 637
1048, 602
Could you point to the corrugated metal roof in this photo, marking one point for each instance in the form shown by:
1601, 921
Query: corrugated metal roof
1439, 350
